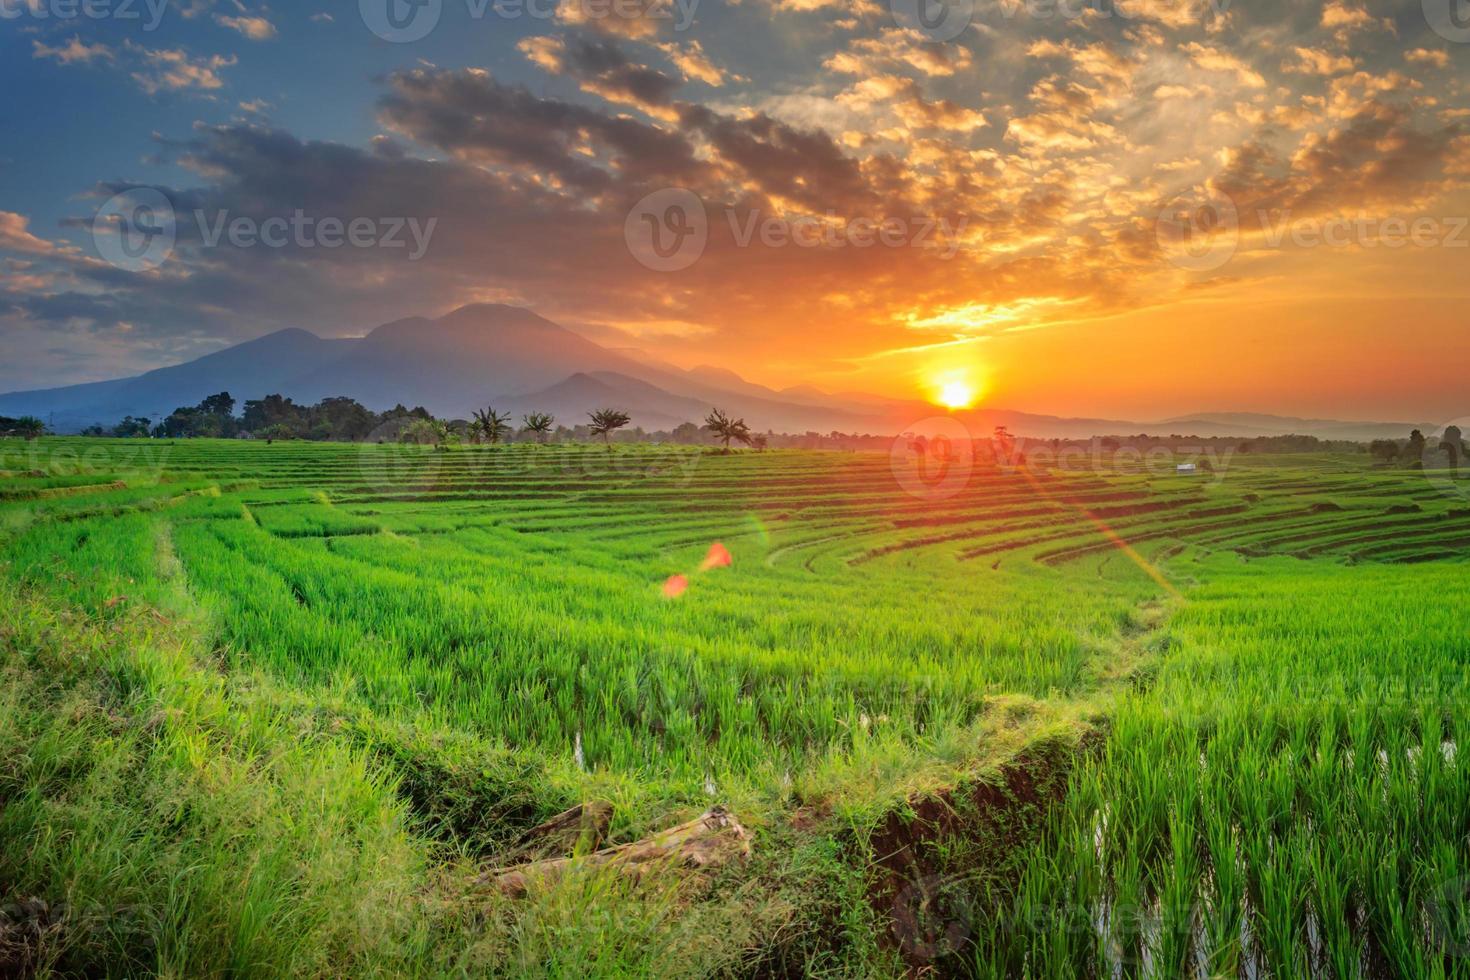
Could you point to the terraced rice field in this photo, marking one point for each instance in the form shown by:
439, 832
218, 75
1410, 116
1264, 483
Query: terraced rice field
1060, 723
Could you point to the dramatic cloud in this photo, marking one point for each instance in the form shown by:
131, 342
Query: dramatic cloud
1039, 151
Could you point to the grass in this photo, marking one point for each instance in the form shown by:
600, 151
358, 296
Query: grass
269, 710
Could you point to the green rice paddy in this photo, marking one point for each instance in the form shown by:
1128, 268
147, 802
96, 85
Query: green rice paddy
271, 709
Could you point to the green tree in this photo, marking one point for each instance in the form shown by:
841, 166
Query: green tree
725, 428
424, 432
220, 404
490, 425
1386, 450
28, 427
606, 421
262, 413
132, 427
539, 423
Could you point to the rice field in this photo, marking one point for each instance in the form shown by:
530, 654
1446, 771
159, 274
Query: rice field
1064, 721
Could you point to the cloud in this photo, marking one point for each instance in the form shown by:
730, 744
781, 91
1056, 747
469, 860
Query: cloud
904, 97
1313, 61
1057, 145
73, 52
15, 236
1425, 56
175, 70
1344, 19
634, 19
897, 47
603, 69
1098, 60
695, 65
256, 28
1217, 60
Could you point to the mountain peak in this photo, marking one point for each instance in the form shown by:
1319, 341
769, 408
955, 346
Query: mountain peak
494, 314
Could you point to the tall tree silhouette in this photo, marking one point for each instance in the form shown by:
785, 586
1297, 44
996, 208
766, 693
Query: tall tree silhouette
492, 425
538, 422
725, 428
607, 420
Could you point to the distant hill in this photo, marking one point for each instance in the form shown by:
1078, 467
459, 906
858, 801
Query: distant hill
1257, 424
509, 357
258, 366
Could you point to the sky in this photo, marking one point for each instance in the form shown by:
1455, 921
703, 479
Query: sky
1118, 208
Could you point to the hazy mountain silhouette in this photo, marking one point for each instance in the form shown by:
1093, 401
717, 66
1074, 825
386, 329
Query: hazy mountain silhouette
517, 361
570, 400
259, 366
1256, 423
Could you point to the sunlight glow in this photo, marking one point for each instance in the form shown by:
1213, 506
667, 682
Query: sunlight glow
956, 394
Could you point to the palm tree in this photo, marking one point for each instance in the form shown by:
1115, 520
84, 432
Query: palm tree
727, 428
539, 423
607, 420
491, 425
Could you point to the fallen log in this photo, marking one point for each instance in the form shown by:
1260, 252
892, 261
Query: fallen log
580, 830
709, 840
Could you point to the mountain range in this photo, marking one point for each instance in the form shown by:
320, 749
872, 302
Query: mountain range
509, 357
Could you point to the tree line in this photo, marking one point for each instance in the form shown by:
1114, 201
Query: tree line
343, 419
26, 427
1416, 452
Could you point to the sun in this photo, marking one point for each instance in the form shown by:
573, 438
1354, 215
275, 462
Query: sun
956, 394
